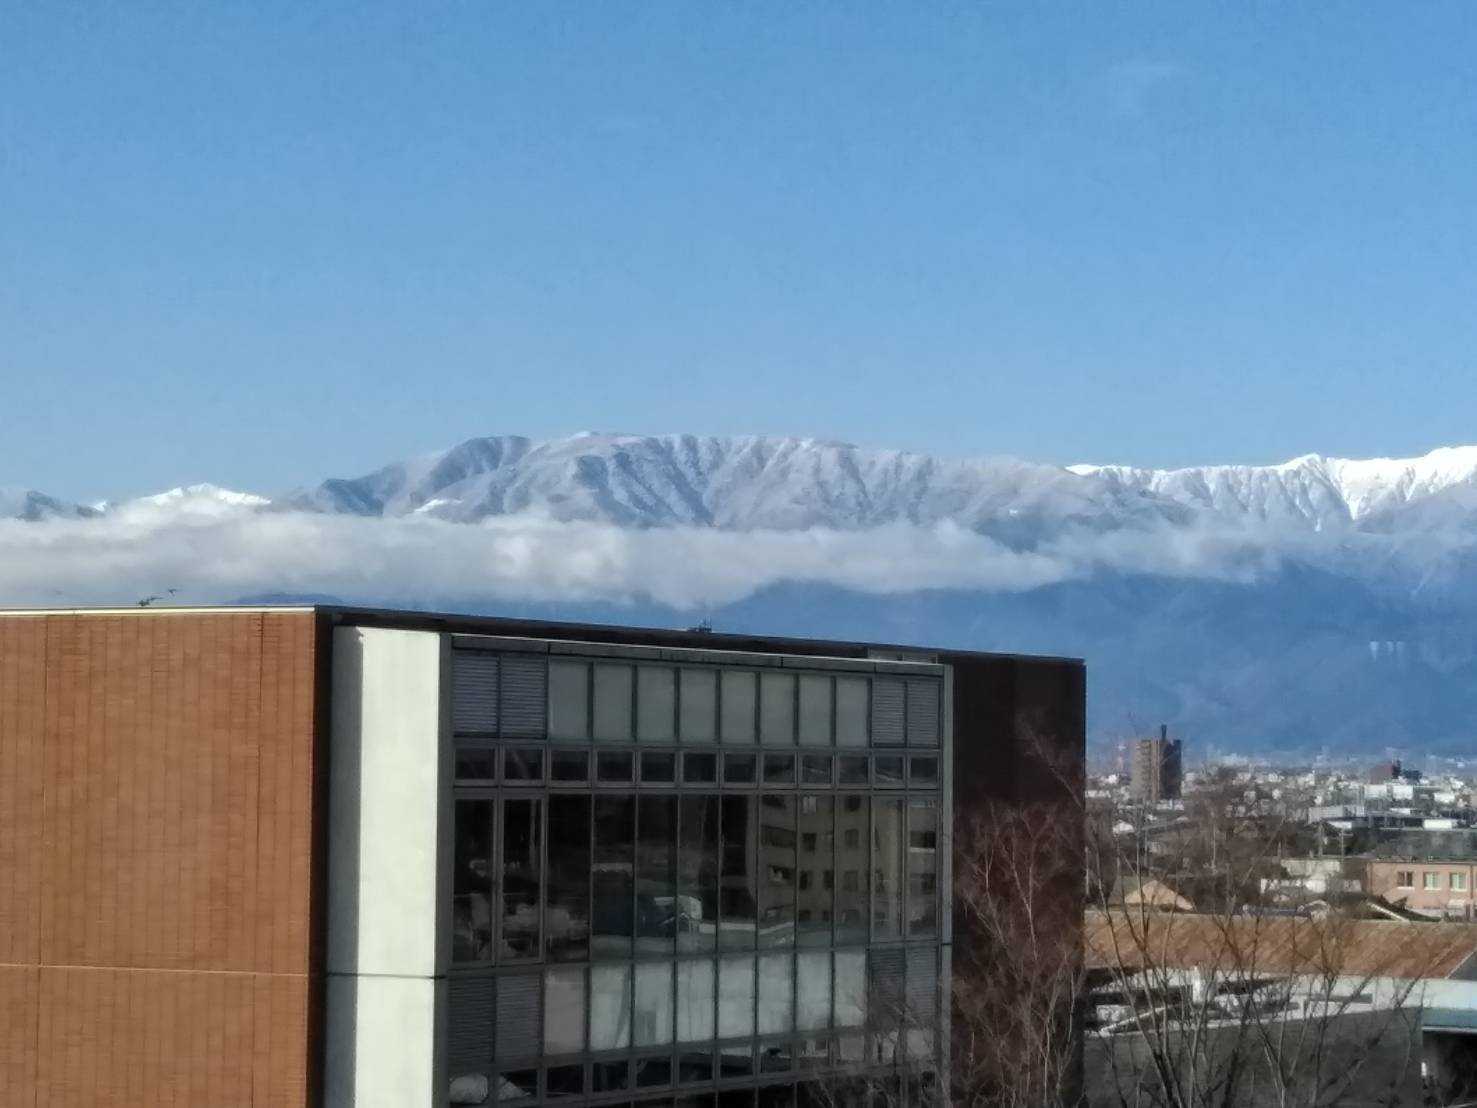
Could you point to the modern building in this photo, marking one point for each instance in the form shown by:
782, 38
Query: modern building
1157, 770
333, 856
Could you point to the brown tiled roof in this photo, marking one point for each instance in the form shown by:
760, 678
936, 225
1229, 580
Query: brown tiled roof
1277, 945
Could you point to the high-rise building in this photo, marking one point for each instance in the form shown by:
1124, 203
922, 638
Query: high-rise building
309, 856
1157, 769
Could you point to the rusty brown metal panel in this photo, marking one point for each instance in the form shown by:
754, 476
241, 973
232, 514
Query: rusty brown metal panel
156, 858
22, 701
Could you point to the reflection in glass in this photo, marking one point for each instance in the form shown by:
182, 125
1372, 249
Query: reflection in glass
815, 769
887, 868
699, 705
657, 910
653, 1014
564, 1010
615, 834
889, 769
923, 771
776, 993
654, 1072
777, 869
813, 990
613, 690
474, 765
656, 704
851, 866
779, 769
738, 707
697, 874
777, 709
609, 1076
695, 1000
610, 1007
522, 874
516, 1085
849, 1005
775, 1058
813, 898
815, 710
569, 878
523, 764
472, 883
923, 869
738, 889
735, 1061
735, 996
853, 769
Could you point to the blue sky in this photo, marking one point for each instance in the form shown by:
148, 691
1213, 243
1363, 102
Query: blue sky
261, 244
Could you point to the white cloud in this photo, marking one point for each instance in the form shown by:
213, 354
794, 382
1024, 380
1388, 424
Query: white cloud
220, 553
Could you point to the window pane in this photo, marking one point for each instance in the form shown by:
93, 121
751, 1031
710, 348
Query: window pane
523, 764
888, 708
853, 769
613, 765
888, 769
813, 991
851, 867
777, 870
887, 868
563, 1081
652, 1073
699, 769
739, 769
610, 1008
569, 878
735, 996
815, 769
735, 1061
472, 883
851, 711
779, 769
695, 1000
850, 1005
658, 767
923, 771
738, 894
569, 700
697, 874
569, 765
613, 688
699, 705
516, 1085
656, 704
521, 877
776, 993
738, 707
564, 1010
777, 701
815, 710
656, 892
611, 1075
475, 765
923, 869
615, 836
813, 918
653, 1018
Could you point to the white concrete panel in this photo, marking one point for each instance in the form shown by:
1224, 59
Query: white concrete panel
381, 1042
387, 822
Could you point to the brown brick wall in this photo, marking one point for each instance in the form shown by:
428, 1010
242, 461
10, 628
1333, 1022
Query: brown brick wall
156, 790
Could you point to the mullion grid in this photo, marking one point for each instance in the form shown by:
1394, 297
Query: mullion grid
715, 957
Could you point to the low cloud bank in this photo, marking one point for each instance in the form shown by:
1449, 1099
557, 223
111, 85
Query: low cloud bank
223, 552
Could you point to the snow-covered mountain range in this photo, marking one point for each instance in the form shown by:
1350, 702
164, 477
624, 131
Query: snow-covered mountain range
1320, 603
752, 483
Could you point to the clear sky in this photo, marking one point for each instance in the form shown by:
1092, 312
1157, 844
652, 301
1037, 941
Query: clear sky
260, 244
